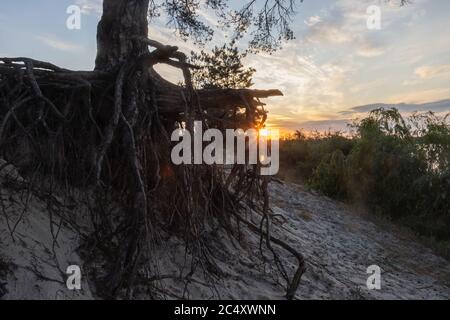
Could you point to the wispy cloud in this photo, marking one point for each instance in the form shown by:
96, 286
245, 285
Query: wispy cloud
59, 44
435, 106
421, 96
312, 125
325, 125
329, 29
313, 20
370, 50
90, 6
428, 72
310, 88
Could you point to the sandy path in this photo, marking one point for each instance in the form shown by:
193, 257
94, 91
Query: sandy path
339, 246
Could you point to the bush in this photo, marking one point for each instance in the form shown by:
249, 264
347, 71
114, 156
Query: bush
395, 167
305, 154
330, 175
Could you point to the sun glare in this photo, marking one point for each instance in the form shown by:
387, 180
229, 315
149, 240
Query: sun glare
264, 132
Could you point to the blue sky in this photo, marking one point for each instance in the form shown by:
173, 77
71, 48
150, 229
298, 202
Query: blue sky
334, 66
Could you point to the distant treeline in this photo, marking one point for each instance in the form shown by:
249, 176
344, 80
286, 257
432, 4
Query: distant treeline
393, 166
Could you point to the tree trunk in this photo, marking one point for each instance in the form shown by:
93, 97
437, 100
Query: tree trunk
121, 20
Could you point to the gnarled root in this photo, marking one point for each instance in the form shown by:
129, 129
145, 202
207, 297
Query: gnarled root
109, 132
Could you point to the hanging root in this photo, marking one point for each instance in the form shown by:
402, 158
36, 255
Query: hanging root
108, 134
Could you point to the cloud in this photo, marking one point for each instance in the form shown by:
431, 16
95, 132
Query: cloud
329, 30
411, 82
311, 89
369, 50
292, 123
428, 72
435, 106
59, 44
89, 7
313, 20
421, 96
324, 125
340, 124
344, 24
360, 88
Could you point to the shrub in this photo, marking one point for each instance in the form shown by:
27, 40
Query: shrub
395, 167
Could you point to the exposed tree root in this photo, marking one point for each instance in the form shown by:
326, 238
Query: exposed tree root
109, 132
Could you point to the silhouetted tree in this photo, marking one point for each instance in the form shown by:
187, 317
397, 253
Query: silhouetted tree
221, 68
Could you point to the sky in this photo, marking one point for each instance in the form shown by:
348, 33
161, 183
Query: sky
335, 70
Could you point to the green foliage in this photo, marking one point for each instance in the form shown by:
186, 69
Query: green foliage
330, 175
306, 153
221, 68
395, 167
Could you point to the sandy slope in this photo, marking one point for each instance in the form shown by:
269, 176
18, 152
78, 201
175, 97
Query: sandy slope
34, 258
339, 245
